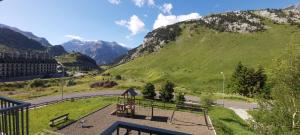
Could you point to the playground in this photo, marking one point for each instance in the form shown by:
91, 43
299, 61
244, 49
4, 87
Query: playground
99, 121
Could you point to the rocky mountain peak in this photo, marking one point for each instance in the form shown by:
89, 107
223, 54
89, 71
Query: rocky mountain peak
103, 52
236, 21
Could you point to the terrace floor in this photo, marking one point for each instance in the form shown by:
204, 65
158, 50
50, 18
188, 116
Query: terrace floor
99, 121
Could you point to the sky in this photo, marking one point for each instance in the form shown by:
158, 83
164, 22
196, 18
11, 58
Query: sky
123, 21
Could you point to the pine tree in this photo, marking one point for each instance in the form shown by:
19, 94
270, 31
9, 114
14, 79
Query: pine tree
149, 91
166, 94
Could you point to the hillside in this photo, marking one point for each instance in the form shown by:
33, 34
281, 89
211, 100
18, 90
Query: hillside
203, 48
102, 52
14, 40
77, 61
41, 40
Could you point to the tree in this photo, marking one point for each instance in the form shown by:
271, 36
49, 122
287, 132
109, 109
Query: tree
281, 115
248, 81
149, 91
180, 97
166, 94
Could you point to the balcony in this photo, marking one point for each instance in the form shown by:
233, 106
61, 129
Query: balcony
126, 128
14, 117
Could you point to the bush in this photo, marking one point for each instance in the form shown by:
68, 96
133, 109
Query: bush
105, 84
37, 83
166, 94
71, 83
118, 77
180, 97
149, 91
207, 99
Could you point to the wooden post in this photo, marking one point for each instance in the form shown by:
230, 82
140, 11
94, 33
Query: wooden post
152, 110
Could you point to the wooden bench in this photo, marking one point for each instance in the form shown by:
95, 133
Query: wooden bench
53, 122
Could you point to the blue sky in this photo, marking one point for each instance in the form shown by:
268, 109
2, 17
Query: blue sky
123, 21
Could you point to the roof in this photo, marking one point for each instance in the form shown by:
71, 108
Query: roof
130, 91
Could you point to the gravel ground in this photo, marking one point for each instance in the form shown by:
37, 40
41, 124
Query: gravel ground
183, 122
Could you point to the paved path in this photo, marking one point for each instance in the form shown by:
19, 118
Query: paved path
227, 103
75, 95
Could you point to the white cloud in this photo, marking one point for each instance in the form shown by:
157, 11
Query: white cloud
135, 25
141, 3
151, 2
121, 22
164, 20
74, 37
166, 8
115, 2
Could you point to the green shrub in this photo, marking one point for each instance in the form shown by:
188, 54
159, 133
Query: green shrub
149, 91
166, 94
180, 97
71, 82
118, 77
207, 99
37, 83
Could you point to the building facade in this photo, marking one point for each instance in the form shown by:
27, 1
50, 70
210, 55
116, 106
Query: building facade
20, 66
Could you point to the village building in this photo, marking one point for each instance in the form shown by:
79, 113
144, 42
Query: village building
14, 66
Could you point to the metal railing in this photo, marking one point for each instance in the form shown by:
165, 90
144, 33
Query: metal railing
14, 117
126, 128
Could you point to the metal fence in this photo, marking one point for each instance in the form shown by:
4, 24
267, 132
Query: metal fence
126, 128
14, 117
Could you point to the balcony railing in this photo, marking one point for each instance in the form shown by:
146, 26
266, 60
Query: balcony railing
14, 117
126, 128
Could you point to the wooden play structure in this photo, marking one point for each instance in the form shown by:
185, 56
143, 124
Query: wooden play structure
126, 103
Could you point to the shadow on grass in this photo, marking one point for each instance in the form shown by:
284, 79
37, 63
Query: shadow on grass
186, 123
234, 121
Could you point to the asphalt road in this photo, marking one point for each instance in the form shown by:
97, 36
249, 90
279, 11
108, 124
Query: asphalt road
227, 103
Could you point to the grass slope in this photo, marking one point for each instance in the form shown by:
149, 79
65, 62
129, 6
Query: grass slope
194, 61
40, 118
226, 122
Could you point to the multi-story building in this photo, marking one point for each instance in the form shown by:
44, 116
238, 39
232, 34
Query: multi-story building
20, 66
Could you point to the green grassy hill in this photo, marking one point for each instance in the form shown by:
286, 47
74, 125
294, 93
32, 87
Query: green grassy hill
194, 61
75, 60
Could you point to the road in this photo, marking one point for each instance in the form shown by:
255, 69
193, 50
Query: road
227, 103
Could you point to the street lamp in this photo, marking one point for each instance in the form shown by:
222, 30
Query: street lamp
62, 83
223, 86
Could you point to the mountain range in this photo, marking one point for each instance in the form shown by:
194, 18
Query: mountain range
15, 40
102, 52
29, 35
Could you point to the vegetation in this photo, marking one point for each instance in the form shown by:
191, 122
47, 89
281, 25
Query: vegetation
149, 91
118, 77
194, 62
281, 115
226, 122
249, 82
77, 61
71, 82
166, 94
40, 117
207, 99
180, 97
